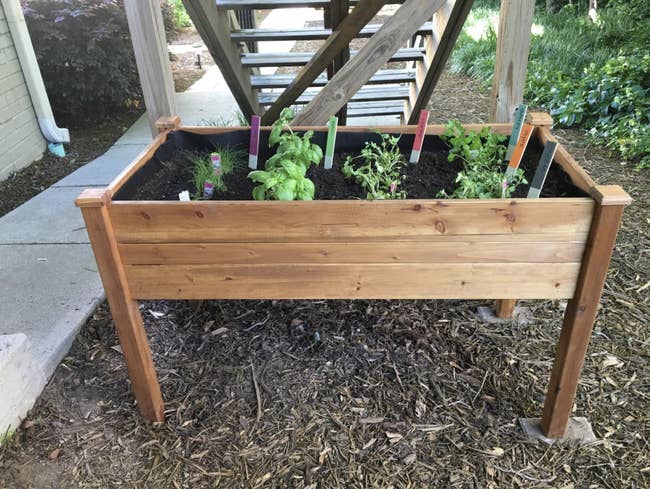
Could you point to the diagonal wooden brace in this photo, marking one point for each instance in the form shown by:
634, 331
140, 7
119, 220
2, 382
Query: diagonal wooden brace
397, 30
337, 42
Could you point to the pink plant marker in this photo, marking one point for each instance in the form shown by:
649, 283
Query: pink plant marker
208, 190
419, 136
216, 163
393, 187
255, 142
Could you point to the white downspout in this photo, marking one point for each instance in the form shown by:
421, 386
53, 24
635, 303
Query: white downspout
32, 73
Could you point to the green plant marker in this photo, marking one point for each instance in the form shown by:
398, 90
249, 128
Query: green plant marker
520, 116
331, 142
542, 170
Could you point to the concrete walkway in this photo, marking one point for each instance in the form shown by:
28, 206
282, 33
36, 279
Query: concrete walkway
49, 283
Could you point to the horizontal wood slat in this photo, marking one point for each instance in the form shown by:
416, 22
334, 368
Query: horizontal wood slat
307, 34
298, 59
395, 281
283, 81
273, 4
364, 95
342, 220
450, 250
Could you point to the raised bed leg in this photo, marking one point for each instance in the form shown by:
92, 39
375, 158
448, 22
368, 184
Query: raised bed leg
125, 311
580, 315
505, 308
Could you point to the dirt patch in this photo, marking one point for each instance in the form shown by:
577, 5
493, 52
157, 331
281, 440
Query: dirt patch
89, 139
426, 179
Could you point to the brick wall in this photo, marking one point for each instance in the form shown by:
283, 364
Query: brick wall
21, 141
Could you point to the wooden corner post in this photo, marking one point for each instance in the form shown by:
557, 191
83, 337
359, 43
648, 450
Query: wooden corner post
581, 311
124, 309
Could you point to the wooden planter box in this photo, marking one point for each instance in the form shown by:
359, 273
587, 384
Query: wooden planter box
550, 248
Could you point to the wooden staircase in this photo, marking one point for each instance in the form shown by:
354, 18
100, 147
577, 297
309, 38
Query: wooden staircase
393, 72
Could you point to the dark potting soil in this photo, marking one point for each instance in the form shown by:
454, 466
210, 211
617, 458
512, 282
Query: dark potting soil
424, 180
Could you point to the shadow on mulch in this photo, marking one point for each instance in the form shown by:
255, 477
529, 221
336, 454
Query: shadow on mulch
353, 394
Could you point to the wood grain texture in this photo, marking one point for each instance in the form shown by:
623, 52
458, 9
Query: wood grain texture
214, 25
338, 41
513, 45
395, 32
578, 175
345, 281
125, 312
452, 249
150, 48
579, 319
448, 21
139, 161
344, 220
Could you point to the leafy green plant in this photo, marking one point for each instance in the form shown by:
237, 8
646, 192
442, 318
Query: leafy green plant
283, 177
482, 155
203, 170
380, 171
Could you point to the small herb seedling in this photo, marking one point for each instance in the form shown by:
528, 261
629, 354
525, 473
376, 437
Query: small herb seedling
283, 177
482, 155
380, 171
204, 168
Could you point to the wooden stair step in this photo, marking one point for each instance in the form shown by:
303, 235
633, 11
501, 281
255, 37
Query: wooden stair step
242, 35
299, 59
367, 109
273, 4
381, 77
366, 94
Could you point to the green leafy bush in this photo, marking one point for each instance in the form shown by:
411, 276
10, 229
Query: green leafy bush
590, 75
284, 175
85, 54
380, 171
175, 16
482, 155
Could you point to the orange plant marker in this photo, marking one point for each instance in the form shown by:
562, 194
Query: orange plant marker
518, 153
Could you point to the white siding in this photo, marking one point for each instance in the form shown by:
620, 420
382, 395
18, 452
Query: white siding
21, 141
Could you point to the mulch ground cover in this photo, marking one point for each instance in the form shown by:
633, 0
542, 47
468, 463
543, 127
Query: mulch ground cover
354, 394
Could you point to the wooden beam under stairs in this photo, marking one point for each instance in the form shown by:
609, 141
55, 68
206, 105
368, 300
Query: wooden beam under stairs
299, 59
379, 78
366, 94
244, 35
273, 4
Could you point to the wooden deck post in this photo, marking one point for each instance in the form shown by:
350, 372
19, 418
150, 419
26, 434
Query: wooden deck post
150, 48
581, 311
513, 45
125, 311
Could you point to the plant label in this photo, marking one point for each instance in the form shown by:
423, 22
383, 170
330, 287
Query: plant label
216, 163
542, 170
518, 153
520, 116
331, 141
184, 196
255, 142
208, 190
419, 136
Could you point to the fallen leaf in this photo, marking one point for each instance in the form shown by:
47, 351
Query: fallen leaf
497, 451
156, 314
409, 459
54, 454
611, 361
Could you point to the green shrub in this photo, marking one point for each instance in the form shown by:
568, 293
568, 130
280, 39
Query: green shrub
85, 54
590, 75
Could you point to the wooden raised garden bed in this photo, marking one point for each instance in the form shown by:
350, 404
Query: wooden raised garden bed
546, 248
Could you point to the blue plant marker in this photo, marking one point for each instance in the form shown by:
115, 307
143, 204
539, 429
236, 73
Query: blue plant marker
520, 116
542, 170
